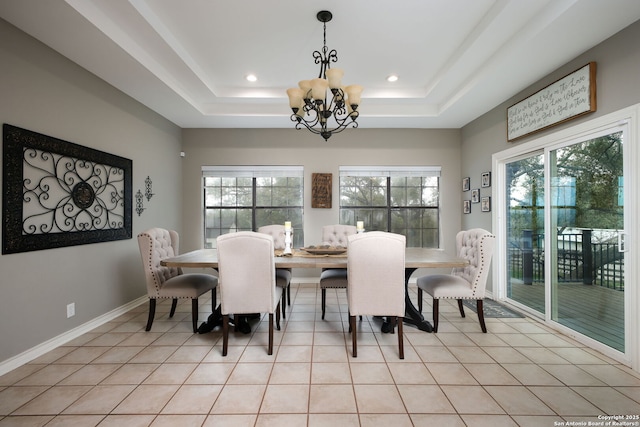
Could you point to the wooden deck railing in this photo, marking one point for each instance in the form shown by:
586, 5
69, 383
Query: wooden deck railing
580, 260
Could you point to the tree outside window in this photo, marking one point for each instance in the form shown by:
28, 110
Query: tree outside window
395, 199
246, 198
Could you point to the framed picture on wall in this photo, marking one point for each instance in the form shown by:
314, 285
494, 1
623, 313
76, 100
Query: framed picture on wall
466, 206
485, 179
321, 190
475, 195
466, 183
485, 206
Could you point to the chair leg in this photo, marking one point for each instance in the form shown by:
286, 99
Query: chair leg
284, 303
324, 301
352, 325
194, 314
225, 333
400, 321
289, 295
270, 350
174, 303
152, 313
461, 308
278, 317
436, 303
419, 300
214, 300
480, 309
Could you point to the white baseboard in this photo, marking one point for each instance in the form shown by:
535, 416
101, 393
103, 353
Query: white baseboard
37, 351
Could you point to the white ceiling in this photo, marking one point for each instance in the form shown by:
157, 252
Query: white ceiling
188, 59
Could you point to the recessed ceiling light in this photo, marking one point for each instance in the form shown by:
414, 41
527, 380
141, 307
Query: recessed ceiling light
251, 77
392, 78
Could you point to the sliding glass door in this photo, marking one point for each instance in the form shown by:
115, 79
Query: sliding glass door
564, 223
525, 231
586, 230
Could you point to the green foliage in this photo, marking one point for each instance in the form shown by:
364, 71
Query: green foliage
595, 164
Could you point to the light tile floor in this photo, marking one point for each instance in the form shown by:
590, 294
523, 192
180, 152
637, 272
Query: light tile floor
519, 374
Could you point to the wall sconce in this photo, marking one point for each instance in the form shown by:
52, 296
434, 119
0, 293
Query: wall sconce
139, 199
148, 192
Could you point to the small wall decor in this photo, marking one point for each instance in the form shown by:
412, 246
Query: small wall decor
466, 183
565, 99
485, 205
485, 179
466, 206
147, 191
139, 202
475, 195
321, 190
57, 193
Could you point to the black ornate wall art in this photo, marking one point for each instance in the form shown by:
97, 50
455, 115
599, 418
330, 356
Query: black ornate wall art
147, 185
139, 203
57, 193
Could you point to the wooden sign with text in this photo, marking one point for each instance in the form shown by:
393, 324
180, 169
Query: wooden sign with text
321, 190
565, 99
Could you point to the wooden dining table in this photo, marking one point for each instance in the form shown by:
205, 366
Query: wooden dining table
415, 258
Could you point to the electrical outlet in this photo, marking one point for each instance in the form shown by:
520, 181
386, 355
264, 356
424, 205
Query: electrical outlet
71, 310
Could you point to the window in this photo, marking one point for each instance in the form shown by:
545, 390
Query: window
244, 198
403, 200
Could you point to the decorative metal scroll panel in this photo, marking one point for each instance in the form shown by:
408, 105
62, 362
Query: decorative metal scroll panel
65, 194
57, 193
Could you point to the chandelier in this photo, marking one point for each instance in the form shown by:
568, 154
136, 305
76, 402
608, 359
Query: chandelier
309, 102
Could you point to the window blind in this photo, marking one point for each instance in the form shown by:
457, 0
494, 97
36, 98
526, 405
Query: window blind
253, 171
391, 171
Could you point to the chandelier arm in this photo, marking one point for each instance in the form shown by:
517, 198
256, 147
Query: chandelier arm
341, 128
307, 122
301, 123
332, 57
317, 57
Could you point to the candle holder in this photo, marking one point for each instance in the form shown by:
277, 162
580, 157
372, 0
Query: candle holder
287, 241
360, 227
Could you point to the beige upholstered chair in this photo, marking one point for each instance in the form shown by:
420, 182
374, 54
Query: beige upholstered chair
283, 275
247, 276
165, 282
476, 246
334, 278
375, 267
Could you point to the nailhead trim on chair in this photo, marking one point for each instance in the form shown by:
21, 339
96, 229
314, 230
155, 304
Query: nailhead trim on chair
165, 272
475, 274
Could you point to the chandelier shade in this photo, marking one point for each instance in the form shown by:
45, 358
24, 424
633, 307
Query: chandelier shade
323, 105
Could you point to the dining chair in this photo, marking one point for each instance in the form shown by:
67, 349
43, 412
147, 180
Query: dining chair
247, 279
168, 282
283, 275
334, 278
375, 285
464, 283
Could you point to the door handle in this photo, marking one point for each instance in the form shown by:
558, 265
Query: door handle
621, 241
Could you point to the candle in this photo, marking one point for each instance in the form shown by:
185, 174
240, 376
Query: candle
360, 225
287, 225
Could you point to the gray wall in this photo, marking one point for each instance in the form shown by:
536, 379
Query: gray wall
46, 93
299, 147
617, 86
